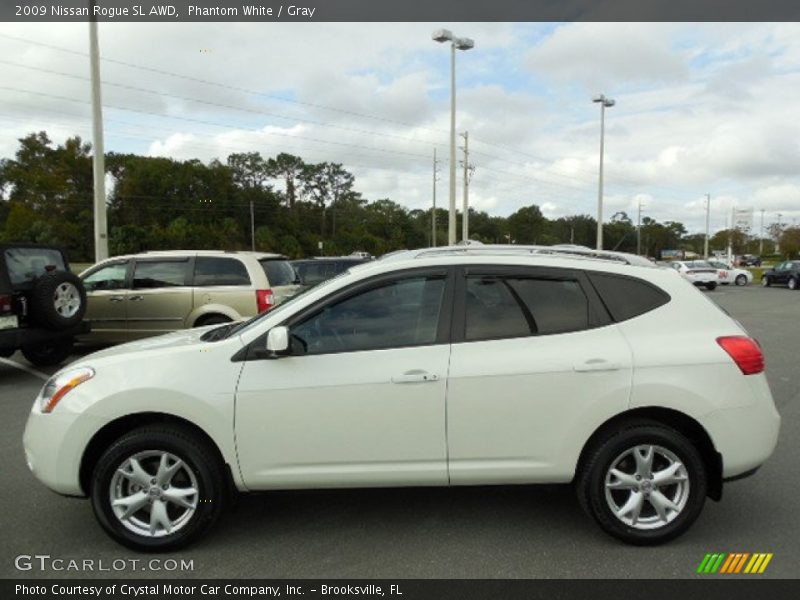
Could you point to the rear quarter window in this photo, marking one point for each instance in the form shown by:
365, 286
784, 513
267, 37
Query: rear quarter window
627, 297
212, 270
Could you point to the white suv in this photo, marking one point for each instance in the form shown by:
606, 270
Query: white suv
451, 366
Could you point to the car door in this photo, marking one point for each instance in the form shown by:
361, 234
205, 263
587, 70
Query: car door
535, 367
106, 308
360, 401
160, 298
780, 275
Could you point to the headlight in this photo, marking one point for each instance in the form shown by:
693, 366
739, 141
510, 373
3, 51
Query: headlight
60, 385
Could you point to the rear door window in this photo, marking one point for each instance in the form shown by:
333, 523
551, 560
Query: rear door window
499, 307
213, 270
160, 274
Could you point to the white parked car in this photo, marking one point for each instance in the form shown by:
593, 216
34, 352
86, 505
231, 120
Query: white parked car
729, 274
699, 272
454, 366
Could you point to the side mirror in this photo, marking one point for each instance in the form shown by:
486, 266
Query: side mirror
278, 340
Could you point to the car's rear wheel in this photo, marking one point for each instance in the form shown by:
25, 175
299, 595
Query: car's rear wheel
158, 488
644, 484
792, 283
711, 286
765, 282
741, 280
50, 353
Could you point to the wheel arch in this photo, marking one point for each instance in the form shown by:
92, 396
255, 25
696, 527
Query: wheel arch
679, 421
205, 311
113, 430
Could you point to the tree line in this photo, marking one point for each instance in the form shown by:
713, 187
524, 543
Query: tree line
160, 203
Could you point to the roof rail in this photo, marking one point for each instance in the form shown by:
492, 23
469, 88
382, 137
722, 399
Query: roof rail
515, 250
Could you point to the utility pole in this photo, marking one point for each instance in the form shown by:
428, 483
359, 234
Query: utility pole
467, 174
98, 162
433, 210
252, 227
708, 217
761, 235
778, 237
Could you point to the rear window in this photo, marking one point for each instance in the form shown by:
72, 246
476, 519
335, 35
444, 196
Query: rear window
627, 297
212, 270
26, 264
278, 271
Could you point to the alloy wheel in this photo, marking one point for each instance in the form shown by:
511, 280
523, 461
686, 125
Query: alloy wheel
67, 300
647, 487
154, 493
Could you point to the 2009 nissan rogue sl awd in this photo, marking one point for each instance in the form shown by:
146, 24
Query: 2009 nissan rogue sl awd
449, 366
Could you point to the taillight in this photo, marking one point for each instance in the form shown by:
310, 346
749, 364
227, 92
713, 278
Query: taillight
5, 303
745, 352
264, 300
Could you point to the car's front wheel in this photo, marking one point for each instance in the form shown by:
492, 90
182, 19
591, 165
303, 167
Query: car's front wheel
792, 283
741, 280
644, 484
711, 286
158, 488
765, 282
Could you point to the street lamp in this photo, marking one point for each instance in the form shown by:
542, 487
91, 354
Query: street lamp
604, 104
456, 43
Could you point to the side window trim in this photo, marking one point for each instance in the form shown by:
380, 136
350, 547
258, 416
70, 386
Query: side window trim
254, 350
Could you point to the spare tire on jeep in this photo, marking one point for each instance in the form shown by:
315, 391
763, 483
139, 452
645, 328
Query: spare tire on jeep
58, 300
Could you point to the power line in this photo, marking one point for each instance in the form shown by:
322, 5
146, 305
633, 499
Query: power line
220, 85
222, 105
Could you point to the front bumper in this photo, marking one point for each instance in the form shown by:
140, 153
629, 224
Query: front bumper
54, 444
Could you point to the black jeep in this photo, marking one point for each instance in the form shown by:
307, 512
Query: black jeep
41, 303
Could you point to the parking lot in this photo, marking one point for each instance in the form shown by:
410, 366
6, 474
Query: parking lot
487, 532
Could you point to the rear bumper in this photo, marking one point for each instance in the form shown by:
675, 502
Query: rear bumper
12, 339
745, 437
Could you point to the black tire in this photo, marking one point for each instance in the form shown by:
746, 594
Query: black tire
48, 354
196, 455
765, 282
45, 310
741, 280
711, 286
591, 481
212, 320
792, 283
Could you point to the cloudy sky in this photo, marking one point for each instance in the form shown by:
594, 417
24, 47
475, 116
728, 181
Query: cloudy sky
700, 107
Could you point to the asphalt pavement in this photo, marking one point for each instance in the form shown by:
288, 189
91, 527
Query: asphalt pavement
482, 532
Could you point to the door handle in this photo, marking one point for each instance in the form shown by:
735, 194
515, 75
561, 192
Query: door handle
415, 376
597, 364
135, 298
116, 299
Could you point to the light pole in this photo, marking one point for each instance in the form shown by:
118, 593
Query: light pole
761, 236
708, 217
604, 104
639, 230
456, 43
98, 160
